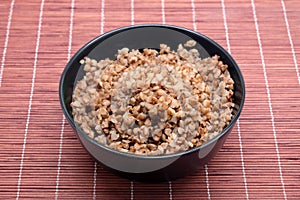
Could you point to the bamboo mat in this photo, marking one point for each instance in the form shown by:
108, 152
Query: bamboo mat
40, 156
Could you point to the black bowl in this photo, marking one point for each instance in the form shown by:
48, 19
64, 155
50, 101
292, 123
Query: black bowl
138, 167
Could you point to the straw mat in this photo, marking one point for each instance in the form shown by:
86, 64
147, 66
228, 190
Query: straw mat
40, 156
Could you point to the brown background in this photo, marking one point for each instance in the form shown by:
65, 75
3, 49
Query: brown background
40, 156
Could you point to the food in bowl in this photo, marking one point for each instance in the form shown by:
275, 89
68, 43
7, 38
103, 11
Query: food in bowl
154, 102
144, 167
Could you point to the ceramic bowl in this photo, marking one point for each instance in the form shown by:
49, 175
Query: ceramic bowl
138, 167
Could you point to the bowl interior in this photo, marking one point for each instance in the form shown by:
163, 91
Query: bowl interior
140, 37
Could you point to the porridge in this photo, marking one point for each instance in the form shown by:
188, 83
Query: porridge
154, 102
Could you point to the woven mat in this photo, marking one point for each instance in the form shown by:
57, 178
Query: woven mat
40, 156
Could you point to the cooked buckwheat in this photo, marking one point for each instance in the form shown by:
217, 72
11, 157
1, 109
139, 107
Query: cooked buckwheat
153, 102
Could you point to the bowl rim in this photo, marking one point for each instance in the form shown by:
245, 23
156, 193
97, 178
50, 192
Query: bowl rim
125, 28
